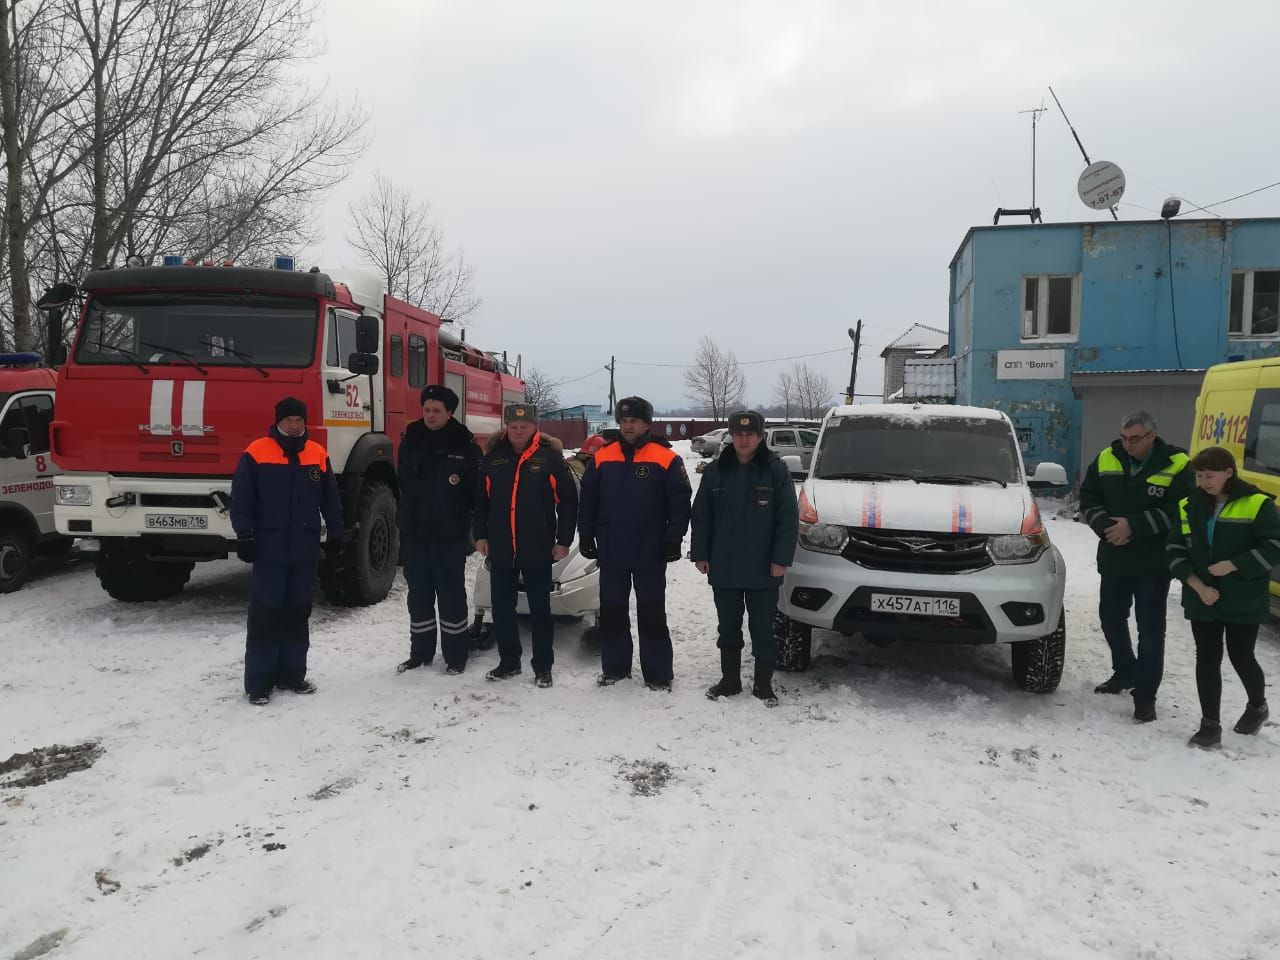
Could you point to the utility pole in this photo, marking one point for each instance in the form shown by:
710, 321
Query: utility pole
856, 337
613, 398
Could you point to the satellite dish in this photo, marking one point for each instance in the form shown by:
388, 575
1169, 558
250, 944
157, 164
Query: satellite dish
1101, 185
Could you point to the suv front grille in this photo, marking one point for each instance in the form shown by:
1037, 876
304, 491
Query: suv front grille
912, 552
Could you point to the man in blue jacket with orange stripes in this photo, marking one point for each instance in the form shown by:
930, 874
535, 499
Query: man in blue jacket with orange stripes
632, 517
283, 485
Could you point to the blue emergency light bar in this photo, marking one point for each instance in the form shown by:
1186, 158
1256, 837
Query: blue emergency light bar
285, 263
172, 260
21, 360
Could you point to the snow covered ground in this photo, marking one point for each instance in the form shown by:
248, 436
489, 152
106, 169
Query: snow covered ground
904, 802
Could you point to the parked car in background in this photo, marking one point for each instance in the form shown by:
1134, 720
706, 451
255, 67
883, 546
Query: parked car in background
919, 523
787, 440
708, 444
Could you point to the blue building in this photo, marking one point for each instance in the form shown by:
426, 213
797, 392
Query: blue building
1067, 326
595, 415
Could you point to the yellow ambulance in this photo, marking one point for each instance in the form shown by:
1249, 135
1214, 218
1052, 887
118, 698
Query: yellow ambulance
1239, 408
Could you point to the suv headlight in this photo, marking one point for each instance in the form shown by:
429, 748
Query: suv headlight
823, 537
73, 495
1017, 547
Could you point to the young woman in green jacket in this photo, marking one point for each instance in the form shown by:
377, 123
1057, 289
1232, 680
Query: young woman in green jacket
1223, 552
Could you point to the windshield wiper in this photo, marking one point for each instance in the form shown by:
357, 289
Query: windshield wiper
868, 475
246, 358
180, 354
959, 478
127, 354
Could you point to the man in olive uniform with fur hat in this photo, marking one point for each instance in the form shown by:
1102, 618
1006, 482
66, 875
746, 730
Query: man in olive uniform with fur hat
745, 522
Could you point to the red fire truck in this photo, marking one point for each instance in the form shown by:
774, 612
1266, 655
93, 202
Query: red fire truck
175, 369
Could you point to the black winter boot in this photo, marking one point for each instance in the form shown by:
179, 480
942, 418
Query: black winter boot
1113, 684
1208, 736
762, 688
730, 683
1144, 709
1254, 716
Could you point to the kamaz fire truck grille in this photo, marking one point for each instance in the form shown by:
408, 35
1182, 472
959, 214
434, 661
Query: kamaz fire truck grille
176, 500
909, 552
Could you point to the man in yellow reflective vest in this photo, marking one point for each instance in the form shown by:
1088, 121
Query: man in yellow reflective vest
1130, 498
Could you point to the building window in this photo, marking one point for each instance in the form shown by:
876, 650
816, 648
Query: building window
1255, 304
1050, 307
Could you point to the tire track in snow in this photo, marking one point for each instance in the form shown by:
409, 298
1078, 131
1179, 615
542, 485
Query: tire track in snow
696, 919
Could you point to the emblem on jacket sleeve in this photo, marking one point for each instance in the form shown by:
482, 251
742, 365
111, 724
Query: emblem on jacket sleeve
315, 473
454, 479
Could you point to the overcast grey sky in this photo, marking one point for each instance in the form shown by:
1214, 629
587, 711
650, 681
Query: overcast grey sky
629, 177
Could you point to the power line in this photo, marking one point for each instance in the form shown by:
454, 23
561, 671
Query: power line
741, 363
1243, 195
560, 383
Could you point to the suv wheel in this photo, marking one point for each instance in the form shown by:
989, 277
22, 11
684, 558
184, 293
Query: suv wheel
1037, 664
795, 643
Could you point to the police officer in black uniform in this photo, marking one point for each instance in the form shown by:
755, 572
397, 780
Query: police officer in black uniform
437, 470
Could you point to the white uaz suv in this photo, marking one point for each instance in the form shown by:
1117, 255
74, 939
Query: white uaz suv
918, 522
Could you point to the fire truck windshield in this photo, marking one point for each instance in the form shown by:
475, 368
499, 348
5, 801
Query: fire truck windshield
205, 329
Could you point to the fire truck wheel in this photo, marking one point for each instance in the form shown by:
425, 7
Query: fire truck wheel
15, 560
128, 576
371, 559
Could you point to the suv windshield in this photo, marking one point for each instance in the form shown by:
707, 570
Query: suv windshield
211, 329
944, 449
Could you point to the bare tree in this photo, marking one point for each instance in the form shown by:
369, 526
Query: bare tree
715, 381
540, 391
395, 234
152, 126
784, 391
39, 142
812, 391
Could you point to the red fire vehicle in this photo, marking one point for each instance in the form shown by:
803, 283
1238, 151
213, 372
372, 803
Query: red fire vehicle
26, 470
175, 369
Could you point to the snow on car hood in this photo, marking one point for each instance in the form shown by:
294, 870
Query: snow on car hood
929, 507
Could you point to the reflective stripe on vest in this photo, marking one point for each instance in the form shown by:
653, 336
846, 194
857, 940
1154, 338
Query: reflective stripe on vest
529, 451
1162, 478
1240, 510
1108, 462
1243, 510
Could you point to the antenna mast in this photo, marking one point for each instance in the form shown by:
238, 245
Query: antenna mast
1032, 212
1083, 152
1035, 117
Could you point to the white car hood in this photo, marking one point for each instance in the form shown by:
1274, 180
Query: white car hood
927, 507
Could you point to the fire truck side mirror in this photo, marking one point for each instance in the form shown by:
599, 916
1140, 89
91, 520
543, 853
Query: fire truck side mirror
15, 443
58, 356
367, 337
362, 364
